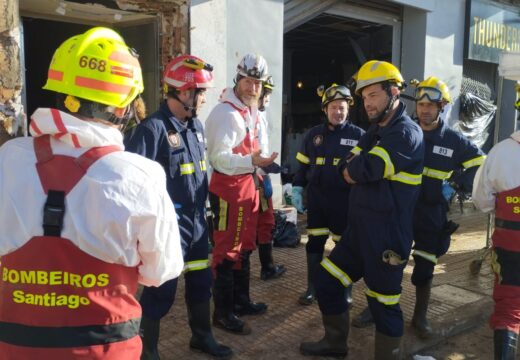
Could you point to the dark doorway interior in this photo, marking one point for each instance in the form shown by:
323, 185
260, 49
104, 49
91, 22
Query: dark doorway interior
42, 37
327, 49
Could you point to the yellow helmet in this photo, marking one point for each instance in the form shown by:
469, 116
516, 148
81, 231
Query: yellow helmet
334, 92
96, 66
433, 89
374, 71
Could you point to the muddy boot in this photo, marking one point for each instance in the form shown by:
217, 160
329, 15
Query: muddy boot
269, 269
348, 297
313, 261
202, 337
150, 336
334, 343
387, 347
223, 317
419, 321
363, 319
242, 301
505, 343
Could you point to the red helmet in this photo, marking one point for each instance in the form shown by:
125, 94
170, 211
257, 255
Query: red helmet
188, 72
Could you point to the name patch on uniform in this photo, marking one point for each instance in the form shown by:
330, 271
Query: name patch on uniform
443, 151
200, 137
317, 140
348, 142
174, 139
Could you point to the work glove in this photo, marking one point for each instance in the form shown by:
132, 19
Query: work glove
297, 198
267, 185
447, 191
273, 168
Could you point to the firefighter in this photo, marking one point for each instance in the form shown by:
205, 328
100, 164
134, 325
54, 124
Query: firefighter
266, 214
497, 188
234, 153
327, 192
174, 137
385, 171
83, 222
446, 151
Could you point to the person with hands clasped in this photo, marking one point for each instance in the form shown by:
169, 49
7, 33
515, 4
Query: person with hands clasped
327, 192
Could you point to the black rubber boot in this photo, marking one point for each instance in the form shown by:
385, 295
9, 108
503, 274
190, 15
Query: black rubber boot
269, 269
202, 337
334, 343
242, 301
505, 343
348, 297
419, 321
223, 317
313, 261
387, 347
363, 319
150, 336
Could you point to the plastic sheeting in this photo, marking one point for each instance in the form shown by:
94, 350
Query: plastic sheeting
476, 118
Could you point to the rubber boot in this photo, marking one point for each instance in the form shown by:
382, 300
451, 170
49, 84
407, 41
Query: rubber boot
269, 269
419, 321
505, 343
334, 342
223, 317
313, 261
150, 336
242, 301
348, 297
202, 337
363, 319
387, 347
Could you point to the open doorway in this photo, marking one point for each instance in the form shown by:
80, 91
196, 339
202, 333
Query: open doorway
327, 49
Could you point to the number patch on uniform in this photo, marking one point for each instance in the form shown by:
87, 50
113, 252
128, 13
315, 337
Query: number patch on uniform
348, 142
443, 151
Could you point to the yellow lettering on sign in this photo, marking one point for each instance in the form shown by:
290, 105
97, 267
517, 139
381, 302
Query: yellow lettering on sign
516, 209
40, 277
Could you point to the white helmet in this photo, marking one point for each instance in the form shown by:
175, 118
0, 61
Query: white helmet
253, 66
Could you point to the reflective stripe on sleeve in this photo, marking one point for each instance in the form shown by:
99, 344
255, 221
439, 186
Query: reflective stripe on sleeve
302, 158
187, 168
320, 161
479, 160
407, 178
383, 154
436, 174
356, 150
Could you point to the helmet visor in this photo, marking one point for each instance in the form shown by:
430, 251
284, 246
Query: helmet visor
337, 92
432, 94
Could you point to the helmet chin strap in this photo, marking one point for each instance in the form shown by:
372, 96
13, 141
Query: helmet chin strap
193, 108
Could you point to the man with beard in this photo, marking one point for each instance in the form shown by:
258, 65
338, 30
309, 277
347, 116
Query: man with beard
173, 136
327, 192
234, 153
446, 151
385, 171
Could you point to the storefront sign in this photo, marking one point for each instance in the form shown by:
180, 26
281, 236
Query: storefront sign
490, 29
